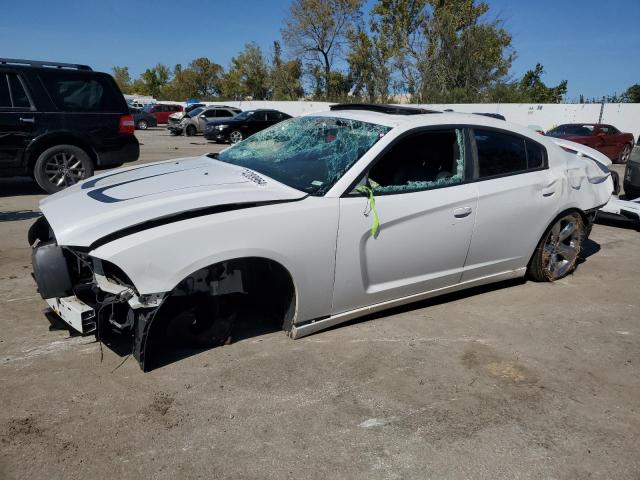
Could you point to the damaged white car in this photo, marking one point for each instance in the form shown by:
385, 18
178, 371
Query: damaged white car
317, 220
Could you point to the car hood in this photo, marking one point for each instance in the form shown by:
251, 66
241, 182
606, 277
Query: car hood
85, 213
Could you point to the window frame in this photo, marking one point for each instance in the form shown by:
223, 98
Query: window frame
476, 163
22, 83
466, 178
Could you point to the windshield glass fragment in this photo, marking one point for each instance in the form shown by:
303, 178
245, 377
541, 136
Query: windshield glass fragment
307, 153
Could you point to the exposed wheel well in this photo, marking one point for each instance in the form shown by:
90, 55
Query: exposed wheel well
52, 141
223, 292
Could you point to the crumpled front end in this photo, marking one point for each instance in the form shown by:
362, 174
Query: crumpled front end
87, 293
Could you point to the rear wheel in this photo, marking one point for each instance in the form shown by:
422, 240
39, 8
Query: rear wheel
62, 166
625, 154
559, 249
191, 131
142, 125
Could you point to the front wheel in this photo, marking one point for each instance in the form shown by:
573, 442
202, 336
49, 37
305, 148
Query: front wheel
235, 137
625, 154
62, 166
190, 131
559, 249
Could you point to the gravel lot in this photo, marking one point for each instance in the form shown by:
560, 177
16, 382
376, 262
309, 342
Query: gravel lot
515, 381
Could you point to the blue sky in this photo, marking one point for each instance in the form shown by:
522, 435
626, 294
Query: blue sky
593, 44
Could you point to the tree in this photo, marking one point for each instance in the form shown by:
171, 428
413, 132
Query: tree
316, 31
122, 78
201, 79
153, 81
633, 93
534, 90
248, 75
286, 77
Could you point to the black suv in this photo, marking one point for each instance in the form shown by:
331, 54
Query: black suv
237, 128
59, 122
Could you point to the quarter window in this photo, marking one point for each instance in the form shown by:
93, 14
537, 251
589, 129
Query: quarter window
420, 161
5, 98
77, 92
20, 99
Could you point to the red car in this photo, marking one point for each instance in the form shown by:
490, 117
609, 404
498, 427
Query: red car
607, 139
162, 111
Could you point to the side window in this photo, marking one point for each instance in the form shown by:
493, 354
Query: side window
210, 113
79, 92
499, 153
20, 99
536, 155
274, 116
224, 113
420, 161
5, 98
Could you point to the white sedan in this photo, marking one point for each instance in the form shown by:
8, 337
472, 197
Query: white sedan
315, 221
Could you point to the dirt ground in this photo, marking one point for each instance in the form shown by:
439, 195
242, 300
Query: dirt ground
514, 381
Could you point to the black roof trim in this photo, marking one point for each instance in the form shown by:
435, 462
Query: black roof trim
42, 64
383, 108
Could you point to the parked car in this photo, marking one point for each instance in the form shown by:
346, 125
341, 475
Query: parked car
234, 130
631, 180
162, 111
315, 221
59, 122
607, 139
194, 122
143, 120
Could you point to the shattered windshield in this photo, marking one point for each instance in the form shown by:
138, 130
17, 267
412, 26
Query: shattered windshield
307, 153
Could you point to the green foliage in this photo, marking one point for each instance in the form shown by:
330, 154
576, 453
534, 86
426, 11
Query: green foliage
248, 76
286, 76
122, 78
529, 89
316, 32
633, 94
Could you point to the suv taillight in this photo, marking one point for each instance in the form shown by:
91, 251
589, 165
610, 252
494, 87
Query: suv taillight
126, 125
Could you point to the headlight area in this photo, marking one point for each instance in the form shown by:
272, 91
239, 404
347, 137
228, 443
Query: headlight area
87, 293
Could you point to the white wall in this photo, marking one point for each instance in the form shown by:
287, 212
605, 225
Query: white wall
624, 116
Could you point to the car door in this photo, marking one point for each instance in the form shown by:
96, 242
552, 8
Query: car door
426, 212
606, 141
17, 120
517, 198
255, 123
205, 117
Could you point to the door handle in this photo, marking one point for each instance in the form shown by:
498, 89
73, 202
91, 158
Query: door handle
27, 120
462, 212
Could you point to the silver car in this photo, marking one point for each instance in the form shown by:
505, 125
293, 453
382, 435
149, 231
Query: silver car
194, 121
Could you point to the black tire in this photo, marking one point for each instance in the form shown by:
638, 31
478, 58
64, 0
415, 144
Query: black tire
190, 131
62, 166
625, 153
632, 193
235, 137
556, 257
175, 133
142, 125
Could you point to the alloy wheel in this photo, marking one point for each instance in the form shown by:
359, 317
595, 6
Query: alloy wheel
143, 125
562, 246
626, 153
235, 137
64, 169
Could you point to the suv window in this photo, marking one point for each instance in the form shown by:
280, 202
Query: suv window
18, 94
11, 89
210, 113
224, 113
5, 97
499, 153
76, 92
420, 161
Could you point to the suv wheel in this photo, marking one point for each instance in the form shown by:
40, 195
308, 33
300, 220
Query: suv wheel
61, 166
190, 131
625, 153
142, 125
235, 137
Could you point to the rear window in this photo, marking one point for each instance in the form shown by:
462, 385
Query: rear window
74, 92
